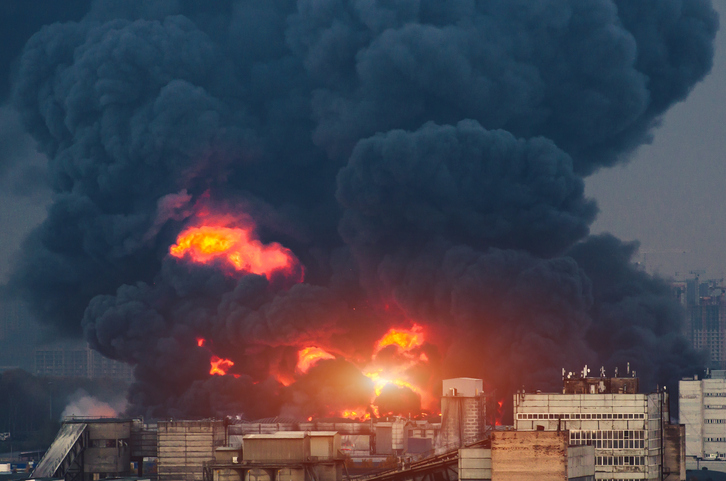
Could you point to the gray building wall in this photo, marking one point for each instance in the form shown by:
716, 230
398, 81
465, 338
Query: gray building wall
185, 446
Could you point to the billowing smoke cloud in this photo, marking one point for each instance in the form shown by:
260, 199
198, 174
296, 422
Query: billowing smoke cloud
82, 404
423, 160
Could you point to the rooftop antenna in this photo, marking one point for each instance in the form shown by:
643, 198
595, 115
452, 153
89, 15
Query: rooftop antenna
585, 370
616, 372
563, 373
628, 368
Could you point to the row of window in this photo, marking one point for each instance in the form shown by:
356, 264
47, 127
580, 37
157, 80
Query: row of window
609, 439
715, 406
715, 440
714, 421
620, 460
581, 416
715, 394
607, 434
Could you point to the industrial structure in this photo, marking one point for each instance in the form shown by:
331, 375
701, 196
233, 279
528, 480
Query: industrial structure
597, 428
628, 430
87, 450
463, 413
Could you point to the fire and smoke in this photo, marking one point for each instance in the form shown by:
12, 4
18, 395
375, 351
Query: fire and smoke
82, 404
208, 243
422, 163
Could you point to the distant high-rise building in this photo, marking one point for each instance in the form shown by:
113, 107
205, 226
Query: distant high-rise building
705, 325
18, 335
68, 362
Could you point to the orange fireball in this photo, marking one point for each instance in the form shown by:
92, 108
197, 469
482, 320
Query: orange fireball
309, 356
235, 245
220, 366
404, 339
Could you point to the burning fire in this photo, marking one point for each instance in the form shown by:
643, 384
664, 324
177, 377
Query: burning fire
396, 368
308, 356
220, 366
380, 382
405, 340
237, 246
394, 371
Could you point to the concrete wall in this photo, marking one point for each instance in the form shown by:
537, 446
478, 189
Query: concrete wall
475, 464
463, 421
581, 462
529, 456
184, 447
324, 445
674, 463
108, 449
273, 449
384, 438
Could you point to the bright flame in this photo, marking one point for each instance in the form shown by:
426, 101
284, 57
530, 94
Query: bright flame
220, 366
380, 382
359, 414
200, 342
309, 356
236, 245
404, 339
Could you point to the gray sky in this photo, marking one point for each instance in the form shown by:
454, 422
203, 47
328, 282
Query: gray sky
672, 195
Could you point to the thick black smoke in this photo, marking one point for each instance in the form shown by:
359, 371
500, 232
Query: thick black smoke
423, 159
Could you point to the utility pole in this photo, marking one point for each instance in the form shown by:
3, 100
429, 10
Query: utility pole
50, 401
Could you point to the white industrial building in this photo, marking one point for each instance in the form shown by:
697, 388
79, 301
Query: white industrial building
627, 429
702, 409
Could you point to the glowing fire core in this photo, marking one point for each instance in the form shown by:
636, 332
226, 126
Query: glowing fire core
236, 245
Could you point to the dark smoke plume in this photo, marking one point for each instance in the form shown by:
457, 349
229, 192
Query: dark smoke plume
423, 159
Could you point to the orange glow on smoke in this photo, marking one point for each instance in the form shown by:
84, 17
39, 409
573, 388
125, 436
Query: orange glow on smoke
404, 339
235, 245
308, 356
200, 342
220, 366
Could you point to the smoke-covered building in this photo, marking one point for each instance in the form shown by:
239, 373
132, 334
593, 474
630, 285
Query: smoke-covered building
74, 362
705, 326
625, 427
